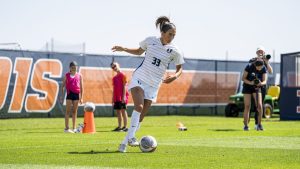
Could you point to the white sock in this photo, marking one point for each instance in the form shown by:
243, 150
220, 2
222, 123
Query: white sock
125, 140
138, 127
135, 118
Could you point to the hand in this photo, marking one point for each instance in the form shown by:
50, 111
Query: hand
117, 48
123, 100
81, 101
169, 79
259, 84
265, 60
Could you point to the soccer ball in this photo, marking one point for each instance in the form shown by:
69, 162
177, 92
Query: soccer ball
148, 144
89, 107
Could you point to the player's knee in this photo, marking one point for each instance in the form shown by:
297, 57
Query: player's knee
139, 108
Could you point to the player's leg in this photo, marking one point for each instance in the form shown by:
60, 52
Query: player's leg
74, 113
247, 104
138, 100
147, 105
119, 117
125, 118
67, 114
258, 100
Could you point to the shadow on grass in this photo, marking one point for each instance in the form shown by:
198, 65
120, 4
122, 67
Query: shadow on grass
99, 152
224, 130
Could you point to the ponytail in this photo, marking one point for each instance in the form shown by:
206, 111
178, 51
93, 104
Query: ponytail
164, 24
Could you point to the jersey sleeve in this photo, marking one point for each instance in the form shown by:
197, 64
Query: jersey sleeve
178, 57
248, 67
264, 70
144, 43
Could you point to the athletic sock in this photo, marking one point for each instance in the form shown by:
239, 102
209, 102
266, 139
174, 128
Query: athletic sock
125, 140
135, 117
139, 126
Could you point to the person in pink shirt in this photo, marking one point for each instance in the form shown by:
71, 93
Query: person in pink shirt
73, 84
120, 96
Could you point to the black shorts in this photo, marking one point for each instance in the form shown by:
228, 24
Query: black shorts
249, 89
72, 96
119, 105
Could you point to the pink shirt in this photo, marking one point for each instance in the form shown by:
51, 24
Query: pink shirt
73, 83
118, 82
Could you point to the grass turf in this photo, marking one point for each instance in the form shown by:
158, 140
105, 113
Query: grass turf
210, 142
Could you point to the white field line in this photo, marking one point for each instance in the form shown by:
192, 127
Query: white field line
33, 166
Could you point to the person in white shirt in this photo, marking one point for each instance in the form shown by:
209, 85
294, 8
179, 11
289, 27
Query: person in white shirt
147, 78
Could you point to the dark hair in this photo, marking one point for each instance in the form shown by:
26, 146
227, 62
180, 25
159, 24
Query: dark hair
164, 24
73, 63
259, 62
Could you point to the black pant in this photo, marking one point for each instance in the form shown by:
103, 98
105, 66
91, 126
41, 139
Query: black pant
263, 94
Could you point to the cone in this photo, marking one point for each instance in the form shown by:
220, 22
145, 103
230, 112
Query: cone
89, 124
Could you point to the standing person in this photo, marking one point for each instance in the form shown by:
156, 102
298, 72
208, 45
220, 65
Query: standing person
261, 53
120, 97
73, 84
254, 77
147, 78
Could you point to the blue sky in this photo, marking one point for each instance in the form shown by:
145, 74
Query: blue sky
205, 29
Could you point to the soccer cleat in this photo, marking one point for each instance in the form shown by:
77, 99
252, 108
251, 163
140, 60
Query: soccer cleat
246, 128
117, 129
260, 127
133, 142
255, 127
124, 129
68, 131
122, 148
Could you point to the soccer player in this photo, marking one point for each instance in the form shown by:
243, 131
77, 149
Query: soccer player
73, 84
120, 96
254, 77
147, 78
260, 53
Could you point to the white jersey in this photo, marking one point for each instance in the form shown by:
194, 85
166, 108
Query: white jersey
157, 59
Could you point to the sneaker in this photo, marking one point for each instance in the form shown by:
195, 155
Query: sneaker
117, 129
68, 131
255, 127
122, 148
133, 142
246, 128
260, 127
124, 129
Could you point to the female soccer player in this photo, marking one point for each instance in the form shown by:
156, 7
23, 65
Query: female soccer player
73, 83
147, 78
254, 77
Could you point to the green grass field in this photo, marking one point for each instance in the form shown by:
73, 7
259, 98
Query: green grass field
210, 142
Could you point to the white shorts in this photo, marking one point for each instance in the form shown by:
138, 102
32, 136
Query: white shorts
150, 93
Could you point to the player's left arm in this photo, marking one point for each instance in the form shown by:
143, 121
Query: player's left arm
171, 78
124, 88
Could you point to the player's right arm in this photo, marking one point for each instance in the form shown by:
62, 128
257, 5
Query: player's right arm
134, 51
245, 80
63, 89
